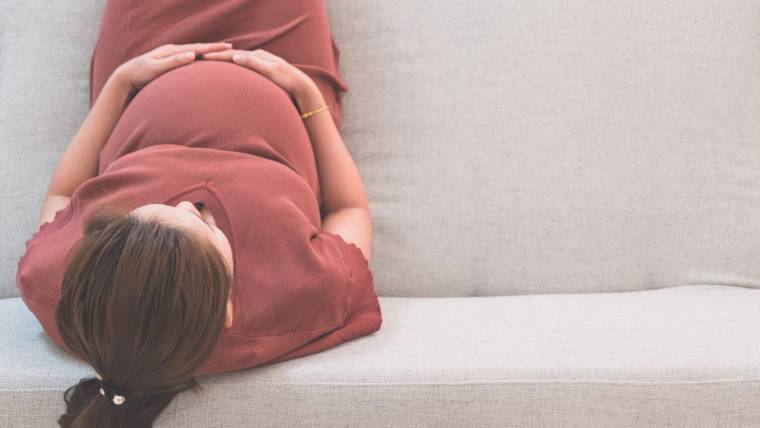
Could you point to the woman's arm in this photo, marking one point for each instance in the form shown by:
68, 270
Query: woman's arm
79, 161
344, 204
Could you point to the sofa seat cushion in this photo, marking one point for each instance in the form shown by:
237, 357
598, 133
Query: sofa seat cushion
687, 356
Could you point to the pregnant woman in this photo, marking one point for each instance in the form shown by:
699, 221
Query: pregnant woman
207, 216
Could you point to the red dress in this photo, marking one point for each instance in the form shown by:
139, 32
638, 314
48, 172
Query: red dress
220, 134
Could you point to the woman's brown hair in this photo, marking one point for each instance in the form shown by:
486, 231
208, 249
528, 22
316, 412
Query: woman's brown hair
143, 303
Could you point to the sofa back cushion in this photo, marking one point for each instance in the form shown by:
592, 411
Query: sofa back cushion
513, 147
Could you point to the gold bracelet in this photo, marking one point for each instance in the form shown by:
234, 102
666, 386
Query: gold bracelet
306, 115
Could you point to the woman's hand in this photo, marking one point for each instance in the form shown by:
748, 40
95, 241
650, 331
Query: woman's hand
282, 73
139, 71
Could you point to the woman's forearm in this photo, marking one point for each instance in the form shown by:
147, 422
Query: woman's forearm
344, 204
340, 183
79, 161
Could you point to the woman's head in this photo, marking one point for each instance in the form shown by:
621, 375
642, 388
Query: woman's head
144, 301
185, 215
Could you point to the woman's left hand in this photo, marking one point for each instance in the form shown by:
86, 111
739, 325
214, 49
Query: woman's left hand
139, 71
284, 74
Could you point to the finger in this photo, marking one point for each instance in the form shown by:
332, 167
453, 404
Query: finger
229, 53
251, 60
265, 55
176, 60
223, 55
211, 47
198, 48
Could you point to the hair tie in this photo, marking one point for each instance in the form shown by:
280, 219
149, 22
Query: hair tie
117, 395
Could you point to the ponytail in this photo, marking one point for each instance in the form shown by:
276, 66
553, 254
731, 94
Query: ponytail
86, 407
170, 287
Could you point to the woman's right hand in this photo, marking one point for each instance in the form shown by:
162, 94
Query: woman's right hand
142, 69
284, 74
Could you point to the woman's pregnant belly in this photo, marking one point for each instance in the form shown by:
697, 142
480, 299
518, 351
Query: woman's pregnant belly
214, 104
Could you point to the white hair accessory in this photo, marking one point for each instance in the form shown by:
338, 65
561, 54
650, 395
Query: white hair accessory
118, 395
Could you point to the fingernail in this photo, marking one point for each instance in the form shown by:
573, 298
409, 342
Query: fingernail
188, 54
237, 57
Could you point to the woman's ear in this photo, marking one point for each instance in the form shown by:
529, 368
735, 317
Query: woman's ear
228, 318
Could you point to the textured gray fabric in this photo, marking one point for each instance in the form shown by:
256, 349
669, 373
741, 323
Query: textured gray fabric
683, 356
514, 147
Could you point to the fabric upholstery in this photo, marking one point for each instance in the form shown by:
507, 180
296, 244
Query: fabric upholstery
682, 356
514, 147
